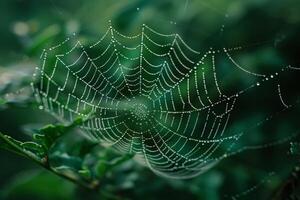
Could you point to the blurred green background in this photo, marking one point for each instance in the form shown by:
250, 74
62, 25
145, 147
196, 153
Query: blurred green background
268, 31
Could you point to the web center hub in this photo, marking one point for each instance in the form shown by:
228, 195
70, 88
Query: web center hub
140, 111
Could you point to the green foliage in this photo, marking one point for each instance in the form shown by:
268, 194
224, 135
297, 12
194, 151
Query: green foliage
42, 141
47, 135
28, 149
85, 167
269, 29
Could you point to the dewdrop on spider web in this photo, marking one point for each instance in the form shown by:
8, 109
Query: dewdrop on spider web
150, 94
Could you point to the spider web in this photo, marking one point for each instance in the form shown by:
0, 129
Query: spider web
149, 94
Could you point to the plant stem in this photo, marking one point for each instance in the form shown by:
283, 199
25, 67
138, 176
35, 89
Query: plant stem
44, 162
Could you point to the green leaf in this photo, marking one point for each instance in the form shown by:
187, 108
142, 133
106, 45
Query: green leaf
59, 159
105, 166
86, 173
2, 101
28, 149
5, 145
42, 141
8, 143
34, 147
49, 134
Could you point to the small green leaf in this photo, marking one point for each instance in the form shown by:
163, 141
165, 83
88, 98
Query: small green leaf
39, 138
49, 134
86, 173
34, 147
10, 144
58, 159
28, 149
4, 145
